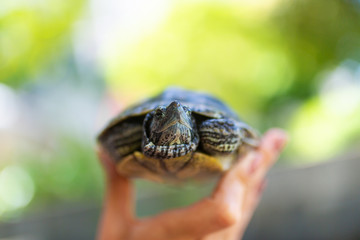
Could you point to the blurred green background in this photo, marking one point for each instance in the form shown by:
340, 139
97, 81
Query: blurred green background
67, 67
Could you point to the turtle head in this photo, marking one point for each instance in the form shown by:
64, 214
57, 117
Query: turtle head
171, 130
171, 125
173, 114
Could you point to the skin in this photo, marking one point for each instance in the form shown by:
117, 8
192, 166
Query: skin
223, 215
172, 129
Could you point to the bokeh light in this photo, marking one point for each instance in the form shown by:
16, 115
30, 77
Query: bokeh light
329, 121
16, 189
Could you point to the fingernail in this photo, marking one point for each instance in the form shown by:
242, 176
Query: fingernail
262, 186
255, 163
278, 145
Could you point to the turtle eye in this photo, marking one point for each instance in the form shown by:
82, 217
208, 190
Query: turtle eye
159, 112
187, 110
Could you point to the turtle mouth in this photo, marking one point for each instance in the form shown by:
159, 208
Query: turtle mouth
166, 152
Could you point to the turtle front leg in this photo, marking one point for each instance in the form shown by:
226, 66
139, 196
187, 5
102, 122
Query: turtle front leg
122, 139
224, 136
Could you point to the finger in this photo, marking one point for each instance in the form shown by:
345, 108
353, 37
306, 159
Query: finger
118, 203
194, 222
252, 199
230, 233
118, 191
235, 231
267, 154
272, 144
118, 188
240, 188
255, 170
107, 163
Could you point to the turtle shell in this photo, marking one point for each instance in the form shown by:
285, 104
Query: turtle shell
198, 102
202, 106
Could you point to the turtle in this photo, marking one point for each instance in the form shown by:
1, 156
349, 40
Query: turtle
175, 136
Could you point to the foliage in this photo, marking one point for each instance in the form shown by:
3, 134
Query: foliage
32, 34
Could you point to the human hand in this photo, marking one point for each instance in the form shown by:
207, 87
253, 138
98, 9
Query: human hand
223, 215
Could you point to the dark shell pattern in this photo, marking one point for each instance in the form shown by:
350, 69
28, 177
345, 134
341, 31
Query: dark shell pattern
199, 103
